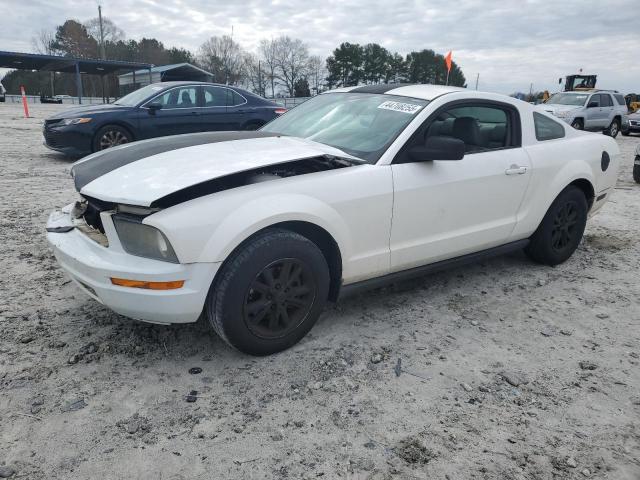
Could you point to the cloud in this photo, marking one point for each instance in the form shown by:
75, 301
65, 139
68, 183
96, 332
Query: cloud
511, 44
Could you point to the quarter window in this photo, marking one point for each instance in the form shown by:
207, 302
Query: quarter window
234, 98
620, 100
215, 97
546, 128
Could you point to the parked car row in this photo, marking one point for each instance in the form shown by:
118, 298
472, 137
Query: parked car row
157, 110
256, 231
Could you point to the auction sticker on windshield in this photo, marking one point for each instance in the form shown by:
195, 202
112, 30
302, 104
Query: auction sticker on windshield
409, 108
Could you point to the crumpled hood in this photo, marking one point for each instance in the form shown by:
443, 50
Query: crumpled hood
139, 173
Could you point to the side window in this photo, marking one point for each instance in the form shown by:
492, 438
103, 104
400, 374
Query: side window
620, 100
481, 128
234, 98
594, 101
215, 96
546, 128
605, 100
183, 97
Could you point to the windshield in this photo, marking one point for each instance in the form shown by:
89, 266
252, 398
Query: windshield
361, 124
576, 99
140, 95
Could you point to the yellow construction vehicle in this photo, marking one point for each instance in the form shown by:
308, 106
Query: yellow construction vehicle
579, 82
633, 102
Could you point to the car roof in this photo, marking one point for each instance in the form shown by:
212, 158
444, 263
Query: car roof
425, 92
185, 82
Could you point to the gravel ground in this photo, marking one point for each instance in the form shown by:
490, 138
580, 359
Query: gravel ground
509, 370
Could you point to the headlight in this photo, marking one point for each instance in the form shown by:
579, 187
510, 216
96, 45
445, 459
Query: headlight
562, 114
143, 240
75, 121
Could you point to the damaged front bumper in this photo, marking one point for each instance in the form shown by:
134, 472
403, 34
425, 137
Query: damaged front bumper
92, 262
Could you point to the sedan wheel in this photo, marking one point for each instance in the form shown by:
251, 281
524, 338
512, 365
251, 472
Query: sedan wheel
111, 136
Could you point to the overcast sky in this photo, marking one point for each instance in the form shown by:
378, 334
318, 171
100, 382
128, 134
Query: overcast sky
510, 43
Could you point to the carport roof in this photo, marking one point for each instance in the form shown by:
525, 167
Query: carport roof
55, 63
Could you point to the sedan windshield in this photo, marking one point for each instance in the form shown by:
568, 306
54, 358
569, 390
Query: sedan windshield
139, 96
567, 99
360, 124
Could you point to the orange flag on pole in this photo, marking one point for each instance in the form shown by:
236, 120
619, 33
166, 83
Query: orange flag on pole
447, 60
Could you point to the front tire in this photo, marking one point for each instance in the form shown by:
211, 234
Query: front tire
636, 170
269, 292
578, 124
111, 136
561, 229
613, 129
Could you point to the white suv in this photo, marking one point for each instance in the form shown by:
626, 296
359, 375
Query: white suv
598, 110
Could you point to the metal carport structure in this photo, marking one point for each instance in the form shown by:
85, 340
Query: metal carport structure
79, 66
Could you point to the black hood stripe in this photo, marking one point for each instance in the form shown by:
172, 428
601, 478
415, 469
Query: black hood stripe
107, 161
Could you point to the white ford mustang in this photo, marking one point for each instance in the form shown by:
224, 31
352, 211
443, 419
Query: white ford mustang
355, 187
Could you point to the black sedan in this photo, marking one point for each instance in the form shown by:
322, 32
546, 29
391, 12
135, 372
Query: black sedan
157, 110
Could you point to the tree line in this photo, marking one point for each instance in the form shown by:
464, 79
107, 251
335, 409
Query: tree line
281, 66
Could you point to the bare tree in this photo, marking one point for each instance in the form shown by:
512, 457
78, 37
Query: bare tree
43, 43
267, 50
292, 57
255, 76
112, 33
224, 58
316, 73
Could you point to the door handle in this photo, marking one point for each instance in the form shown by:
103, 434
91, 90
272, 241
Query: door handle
515, 170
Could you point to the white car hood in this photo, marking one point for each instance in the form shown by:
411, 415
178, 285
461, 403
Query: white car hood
144, 180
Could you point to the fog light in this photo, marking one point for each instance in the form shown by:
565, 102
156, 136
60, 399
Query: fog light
122, 282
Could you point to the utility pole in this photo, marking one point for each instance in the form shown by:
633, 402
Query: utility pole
102, 51
477, 78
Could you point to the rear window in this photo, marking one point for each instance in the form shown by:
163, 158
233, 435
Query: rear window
620, 99
546, 128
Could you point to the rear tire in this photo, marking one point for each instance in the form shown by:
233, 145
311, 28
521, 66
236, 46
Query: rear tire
269, 292
253, 125
636, 170
578, 124
561, 229
613, 129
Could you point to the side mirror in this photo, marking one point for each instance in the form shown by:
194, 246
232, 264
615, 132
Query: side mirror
592, 105
154, 107
438, 148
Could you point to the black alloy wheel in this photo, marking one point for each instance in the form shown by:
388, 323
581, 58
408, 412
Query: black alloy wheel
279, 298
564, 226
